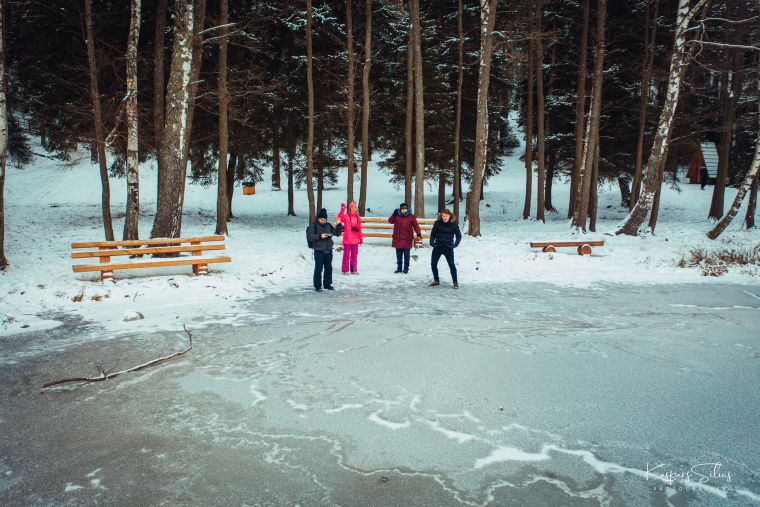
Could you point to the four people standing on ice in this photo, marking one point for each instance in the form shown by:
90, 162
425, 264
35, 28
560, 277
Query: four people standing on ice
444, 238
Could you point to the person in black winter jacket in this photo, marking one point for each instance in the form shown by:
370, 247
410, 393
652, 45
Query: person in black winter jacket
321, 233
444, 238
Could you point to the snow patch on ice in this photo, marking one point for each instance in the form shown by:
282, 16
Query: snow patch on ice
345, 406
258, 396
375, 418
70, 486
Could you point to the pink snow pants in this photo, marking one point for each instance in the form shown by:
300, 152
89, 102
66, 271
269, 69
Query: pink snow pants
350, 253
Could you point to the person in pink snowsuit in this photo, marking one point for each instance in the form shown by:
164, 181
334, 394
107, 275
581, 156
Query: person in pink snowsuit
352, 237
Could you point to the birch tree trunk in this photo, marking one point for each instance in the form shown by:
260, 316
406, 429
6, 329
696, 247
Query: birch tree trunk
458, 122
487, 22
171, 177
351, 107
3, 136
419, 112
310, 120
224, 100
750, 182
97, 116
158, 79
580, 110
749, 219
529, 114
650, 35
365, 108
539, 56
635, 219
590, 152
132, 215
409, 127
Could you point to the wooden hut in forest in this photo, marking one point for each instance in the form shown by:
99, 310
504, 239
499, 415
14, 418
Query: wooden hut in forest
704, 155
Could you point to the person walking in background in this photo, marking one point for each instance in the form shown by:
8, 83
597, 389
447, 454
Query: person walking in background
319, 236
404, 228
704, 176
352, 237
444, 238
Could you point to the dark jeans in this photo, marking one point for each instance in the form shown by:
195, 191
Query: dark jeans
402, 253
322, 260
449, 254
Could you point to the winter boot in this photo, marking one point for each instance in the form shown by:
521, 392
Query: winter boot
435, 283
456, 285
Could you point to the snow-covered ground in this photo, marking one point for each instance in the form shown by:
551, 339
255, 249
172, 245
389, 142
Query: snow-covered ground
50, 204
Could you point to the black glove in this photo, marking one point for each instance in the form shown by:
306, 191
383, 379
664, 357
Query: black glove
396, 212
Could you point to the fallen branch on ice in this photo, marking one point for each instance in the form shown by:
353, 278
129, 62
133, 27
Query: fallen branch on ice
104, 375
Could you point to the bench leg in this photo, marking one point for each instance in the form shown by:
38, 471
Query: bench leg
584, 249
106, 276
549, 249
200, 269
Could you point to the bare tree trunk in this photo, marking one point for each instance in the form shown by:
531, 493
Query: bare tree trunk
409, 130
224, 104
310, 121
351, 108
529, 114
551, 157
594, 190
320, 173
635, 219
419, 112
231, 169
749, 184
550, 166
132, 216
365, 108
590, 152
441, 191
174, 146
580, 110
276, 183
487, 22
458, 125
3, 136
158, 79
749, 219
650, 35
98, 117
731, 89
291, 193
539, 56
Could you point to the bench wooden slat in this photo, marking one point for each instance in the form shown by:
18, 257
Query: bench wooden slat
539, 244
182, 261
138, 242
386, 235
390, 227
147, 251
385, 220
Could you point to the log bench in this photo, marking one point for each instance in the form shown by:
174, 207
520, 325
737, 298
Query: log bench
167, 250
583, 247
379, 227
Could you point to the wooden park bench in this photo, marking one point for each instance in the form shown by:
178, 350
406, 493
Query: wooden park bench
378, 227
162, 247
584, 247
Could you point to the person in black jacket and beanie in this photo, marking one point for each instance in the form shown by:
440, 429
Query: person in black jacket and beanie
321, 233
444, 238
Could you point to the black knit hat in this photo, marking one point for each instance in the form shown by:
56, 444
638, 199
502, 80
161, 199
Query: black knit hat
322, 214
403, 205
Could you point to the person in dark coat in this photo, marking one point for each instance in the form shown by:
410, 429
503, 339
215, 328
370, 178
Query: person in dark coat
404, 228
704, 176
321, 233
444, 238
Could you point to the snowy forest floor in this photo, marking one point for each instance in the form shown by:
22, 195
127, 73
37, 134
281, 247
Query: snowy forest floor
51, 204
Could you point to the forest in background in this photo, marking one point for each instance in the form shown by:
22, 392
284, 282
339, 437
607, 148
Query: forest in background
607, 91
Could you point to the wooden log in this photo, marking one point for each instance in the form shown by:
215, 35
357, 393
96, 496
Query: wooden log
539, 244
584, 249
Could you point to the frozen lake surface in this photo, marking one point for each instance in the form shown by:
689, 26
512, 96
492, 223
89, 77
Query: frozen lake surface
501, 394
